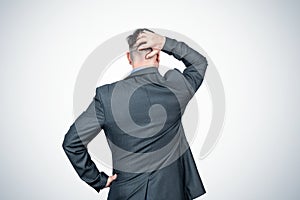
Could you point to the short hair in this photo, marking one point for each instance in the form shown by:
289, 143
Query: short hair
131, 40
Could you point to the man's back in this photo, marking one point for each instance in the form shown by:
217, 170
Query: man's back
144, 131
141, 118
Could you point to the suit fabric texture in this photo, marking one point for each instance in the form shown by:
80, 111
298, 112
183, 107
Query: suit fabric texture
141, 119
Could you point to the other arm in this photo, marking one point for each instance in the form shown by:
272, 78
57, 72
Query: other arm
80, 133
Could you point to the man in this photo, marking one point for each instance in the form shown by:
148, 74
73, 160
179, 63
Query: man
141, 119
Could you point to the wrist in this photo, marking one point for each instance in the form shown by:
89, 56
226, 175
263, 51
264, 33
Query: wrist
163, 41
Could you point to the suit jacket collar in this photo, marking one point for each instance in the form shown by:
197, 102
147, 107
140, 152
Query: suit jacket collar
147, 70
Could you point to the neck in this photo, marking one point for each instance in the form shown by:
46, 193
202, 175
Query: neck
144, 64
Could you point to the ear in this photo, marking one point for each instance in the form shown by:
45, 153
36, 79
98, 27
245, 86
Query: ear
129, 58
158, 57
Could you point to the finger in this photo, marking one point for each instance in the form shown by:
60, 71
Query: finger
107, 183
140, 41
152, 53
146, 32
114, 177
144, 46
141, 35
110, 180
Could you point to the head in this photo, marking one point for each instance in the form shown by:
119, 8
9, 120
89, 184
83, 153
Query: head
137, 57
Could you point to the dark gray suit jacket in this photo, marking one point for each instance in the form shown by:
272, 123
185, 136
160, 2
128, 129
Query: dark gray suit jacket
141, 118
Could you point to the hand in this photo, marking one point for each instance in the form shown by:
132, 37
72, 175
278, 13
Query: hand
147, 39
110, 180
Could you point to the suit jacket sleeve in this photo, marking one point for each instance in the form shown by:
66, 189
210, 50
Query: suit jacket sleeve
80, 133
195, 63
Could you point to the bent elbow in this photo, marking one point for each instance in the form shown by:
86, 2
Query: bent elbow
65, 144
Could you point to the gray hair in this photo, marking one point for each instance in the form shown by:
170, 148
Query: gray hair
131, 40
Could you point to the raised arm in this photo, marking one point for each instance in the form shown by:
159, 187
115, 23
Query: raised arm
80, 133
195, 63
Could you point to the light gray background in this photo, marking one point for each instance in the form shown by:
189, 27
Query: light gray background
254, 45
